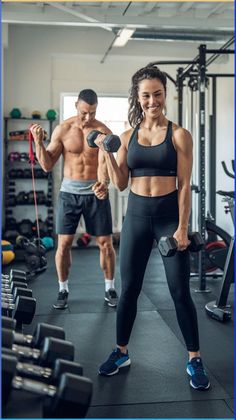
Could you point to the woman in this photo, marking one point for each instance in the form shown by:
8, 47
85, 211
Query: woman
158, 155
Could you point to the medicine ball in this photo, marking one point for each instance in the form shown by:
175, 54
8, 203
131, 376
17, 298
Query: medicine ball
7, 252
51, 114
15, 113
36, 115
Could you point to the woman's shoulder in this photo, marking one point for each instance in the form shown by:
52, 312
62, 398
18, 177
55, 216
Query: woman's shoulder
180, 132
126, 135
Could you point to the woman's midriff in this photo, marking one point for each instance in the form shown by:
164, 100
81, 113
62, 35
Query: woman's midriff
153, 186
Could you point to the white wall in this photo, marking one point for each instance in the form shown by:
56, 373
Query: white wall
42, 62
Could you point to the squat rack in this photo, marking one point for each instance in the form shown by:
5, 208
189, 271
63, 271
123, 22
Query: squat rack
196, 71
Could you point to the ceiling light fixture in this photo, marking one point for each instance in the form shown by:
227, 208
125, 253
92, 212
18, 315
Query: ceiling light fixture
123, 36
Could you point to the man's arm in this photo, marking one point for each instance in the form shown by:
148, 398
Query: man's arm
47, 157
102, 172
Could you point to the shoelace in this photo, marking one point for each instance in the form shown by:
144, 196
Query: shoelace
112, 293
114, 355
62, 295
198, 367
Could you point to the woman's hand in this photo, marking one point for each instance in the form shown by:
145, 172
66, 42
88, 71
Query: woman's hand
181, 236
99, 141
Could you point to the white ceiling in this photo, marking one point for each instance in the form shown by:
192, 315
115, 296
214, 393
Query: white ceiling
187, 21
186, 24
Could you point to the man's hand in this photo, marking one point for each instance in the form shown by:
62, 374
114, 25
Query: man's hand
100, 190
38, 133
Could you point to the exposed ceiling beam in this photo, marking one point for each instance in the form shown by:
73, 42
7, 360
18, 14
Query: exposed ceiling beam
185, 7
82, 16
219, 7
157, 23
148, 7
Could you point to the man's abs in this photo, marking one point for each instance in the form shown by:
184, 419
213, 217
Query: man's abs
81, 166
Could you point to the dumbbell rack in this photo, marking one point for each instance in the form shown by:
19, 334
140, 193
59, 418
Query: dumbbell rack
21, 180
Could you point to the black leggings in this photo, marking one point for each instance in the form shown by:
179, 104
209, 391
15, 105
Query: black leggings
149, 218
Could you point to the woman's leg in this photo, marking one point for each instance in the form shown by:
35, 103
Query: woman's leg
177, 269
135, 248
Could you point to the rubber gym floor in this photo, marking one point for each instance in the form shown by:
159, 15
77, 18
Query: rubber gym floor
156, 385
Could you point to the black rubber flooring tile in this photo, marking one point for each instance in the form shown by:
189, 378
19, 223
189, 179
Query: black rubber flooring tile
83, 298
158, 370
217, 346
185, 409
231, 404
155, 287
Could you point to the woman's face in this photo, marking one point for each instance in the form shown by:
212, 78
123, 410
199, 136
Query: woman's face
151, 96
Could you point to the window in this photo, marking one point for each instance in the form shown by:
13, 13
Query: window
111, 110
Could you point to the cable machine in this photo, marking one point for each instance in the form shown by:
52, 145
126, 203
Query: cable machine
196, 73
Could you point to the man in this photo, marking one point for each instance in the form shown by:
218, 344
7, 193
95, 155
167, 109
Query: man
84, 190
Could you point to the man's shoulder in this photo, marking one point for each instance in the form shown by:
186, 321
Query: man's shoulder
99, 125
68, 122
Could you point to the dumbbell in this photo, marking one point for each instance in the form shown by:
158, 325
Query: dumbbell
10, 287
22, 310
18, 291
168, 245
51, 349
15, 275
49, 375
41, 331
71, 399
111, 142
8, 323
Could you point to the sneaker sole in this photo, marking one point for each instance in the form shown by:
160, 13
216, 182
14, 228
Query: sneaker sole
60, 307
125, 364
202, 388
110, 304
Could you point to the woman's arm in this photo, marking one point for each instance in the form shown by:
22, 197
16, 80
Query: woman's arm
47, 157
117, 169
184, 146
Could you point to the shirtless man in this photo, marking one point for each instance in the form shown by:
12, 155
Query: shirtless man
84, 191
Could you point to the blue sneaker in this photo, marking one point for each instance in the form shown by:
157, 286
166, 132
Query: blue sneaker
115, 361
199, 379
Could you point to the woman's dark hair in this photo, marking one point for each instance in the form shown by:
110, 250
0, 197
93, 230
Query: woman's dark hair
135, 114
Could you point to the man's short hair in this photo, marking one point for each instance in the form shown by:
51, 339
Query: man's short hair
88, 96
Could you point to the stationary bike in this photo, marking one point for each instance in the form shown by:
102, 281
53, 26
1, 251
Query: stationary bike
219, 309
217, 239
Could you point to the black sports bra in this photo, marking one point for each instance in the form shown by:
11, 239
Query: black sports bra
158, 160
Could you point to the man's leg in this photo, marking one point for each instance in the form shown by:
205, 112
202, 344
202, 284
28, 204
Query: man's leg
107, 263
63, 263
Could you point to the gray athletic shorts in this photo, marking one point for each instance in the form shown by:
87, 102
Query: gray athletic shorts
96, 213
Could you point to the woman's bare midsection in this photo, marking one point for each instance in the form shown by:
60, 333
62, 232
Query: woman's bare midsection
153, 186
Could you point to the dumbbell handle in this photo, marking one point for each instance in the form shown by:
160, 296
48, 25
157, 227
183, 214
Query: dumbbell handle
17, 291
34, 386
13, 293
23, 338
10, 286
36, 370
27, 352
9, 300
13, 272
45, 373
8, 305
